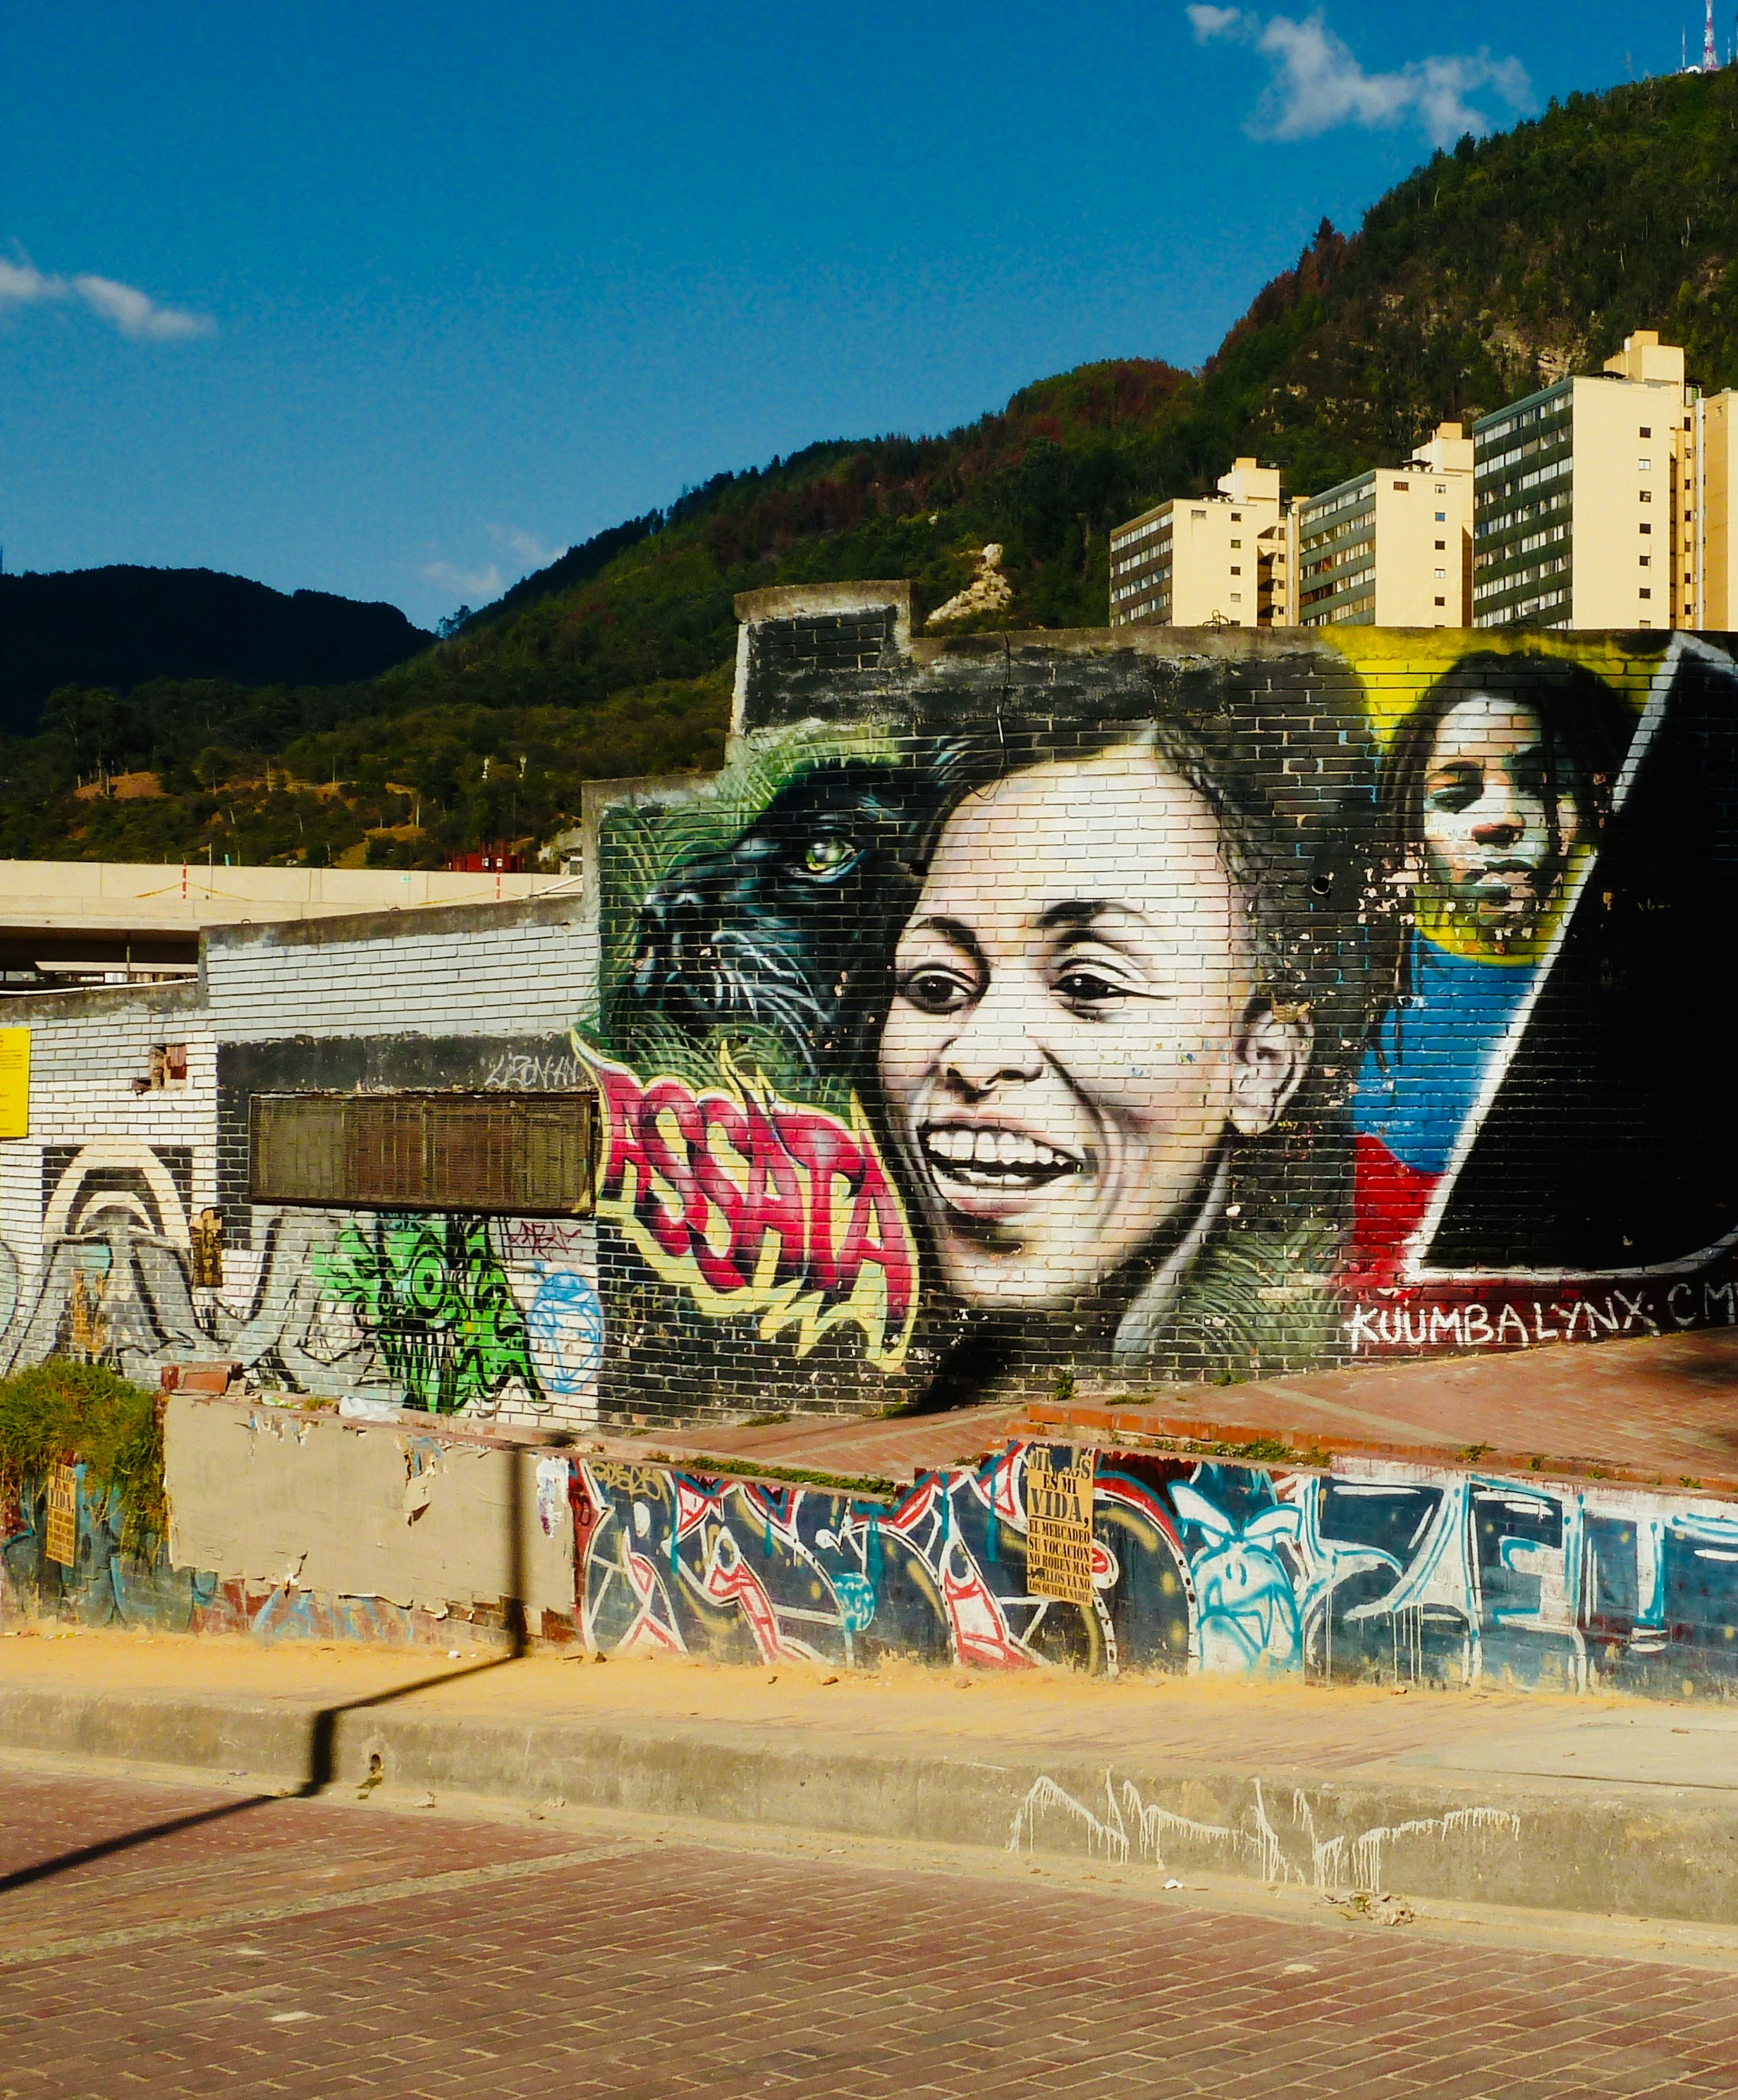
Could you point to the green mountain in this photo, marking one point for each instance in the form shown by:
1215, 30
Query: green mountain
1488, 270
117, 627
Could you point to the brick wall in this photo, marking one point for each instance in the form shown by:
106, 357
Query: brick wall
1184, 1005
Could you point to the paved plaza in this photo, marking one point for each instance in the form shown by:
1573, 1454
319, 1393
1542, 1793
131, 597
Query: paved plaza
176, 1940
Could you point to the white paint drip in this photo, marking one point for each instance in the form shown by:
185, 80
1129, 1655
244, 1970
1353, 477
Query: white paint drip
1132, 1827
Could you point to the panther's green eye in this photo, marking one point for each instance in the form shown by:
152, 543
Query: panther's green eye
827, 856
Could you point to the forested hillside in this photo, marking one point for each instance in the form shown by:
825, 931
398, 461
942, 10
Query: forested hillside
116, 627
1488, 270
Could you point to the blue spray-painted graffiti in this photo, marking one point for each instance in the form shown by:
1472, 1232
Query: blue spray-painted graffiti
1373, 1571
565, 1322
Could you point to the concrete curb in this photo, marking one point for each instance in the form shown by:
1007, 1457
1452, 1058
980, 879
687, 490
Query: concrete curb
1651, 1851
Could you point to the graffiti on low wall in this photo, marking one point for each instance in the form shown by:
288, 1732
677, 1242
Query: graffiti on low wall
1372, 1570
108, 1584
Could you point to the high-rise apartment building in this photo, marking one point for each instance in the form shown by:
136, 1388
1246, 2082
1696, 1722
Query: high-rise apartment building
1709, 589
1586, 510
1206, 560
1391, 547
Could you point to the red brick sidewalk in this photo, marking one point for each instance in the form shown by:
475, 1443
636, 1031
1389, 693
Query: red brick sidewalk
298, 1948
1661, 1410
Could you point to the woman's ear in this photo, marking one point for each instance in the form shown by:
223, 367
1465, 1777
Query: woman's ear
1269, 1061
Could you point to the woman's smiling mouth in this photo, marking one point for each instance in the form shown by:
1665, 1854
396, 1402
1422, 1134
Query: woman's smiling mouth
991, 1158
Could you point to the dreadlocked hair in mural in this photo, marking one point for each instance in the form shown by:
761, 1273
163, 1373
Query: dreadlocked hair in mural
1584, 729
1240, 1279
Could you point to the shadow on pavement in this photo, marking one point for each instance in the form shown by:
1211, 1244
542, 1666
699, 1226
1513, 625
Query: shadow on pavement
323, 1739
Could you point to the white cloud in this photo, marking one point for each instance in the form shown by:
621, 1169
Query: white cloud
531, 552
475, 586
133, 313
1317, 84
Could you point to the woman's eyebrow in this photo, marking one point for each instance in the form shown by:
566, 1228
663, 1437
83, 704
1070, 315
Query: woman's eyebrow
1079, 913
959, 933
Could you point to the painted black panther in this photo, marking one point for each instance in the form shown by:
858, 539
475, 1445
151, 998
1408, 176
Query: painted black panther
793, 926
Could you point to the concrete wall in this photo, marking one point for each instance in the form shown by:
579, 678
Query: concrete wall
272, 1498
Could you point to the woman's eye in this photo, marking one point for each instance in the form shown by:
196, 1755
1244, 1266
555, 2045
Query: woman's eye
1459, 792
828, 856
937, 991
1082, 986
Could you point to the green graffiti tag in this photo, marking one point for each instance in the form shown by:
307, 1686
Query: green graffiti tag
431, 1294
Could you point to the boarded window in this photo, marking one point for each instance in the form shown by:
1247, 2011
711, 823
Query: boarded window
521, 1155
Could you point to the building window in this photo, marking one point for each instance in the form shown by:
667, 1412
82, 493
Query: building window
1644, 495
1441, 601
1441, 546
1197, 513
1440, 574
1236, 517
1442, 517
1646, 526
1645, 431
166, 1069
1647, 561
1644, 466
1236, 597
1645, 592
1237, 543
1235, 570
1400, 487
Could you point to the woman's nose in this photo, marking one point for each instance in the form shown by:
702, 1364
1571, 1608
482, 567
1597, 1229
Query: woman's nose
1499, 818
993, 1047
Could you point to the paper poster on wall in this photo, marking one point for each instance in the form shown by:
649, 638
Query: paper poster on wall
15, 1082
61, 1543
1059, 1523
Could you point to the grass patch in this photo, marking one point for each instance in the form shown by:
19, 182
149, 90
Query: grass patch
59, 1410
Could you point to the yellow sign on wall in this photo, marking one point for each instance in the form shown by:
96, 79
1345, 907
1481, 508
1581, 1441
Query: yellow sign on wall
15, 1082
61, 1544
1059, 1524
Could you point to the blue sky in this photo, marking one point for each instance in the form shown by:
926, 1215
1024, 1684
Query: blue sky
400, 301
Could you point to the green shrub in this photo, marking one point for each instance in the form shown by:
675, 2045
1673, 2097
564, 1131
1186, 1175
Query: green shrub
60, 1409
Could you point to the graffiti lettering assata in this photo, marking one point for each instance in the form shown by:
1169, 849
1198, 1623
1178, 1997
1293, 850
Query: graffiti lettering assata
759, 1208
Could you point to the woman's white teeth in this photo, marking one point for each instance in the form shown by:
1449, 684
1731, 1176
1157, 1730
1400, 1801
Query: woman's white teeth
991, 1148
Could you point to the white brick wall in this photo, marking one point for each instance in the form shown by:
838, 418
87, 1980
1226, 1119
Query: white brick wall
520, 978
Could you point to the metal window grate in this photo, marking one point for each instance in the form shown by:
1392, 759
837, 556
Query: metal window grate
520, 1155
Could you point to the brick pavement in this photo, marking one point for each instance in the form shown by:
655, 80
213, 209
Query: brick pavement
389, 1955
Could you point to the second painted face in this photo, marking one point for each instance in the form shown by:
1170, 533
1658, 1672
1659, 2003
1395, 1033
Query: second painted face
1496, 832
1070, 1034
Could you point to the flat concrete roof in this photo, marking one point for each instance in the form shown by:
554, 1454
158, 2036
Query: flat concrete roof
123, 897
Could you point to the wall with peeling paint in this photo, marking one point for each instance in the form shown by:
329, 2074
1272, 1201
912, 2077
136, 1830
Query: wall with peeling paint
273, 1498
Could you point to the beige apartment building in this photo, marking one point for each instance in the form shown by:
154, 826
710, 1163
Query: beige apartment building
1591, 499
1391, 547
1710, 526
1206, 560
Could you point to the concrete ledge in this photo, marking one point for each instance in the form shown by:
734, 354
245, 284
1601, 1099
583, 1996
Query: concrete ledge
1665, 1850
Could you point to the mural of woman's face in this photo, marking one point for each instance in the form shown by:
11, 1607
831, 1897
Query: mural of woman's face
1072, 1029
1496, 841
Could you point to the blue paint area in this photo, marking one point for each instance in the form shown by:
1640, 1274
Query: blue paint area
1415, 1096
565, 1323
